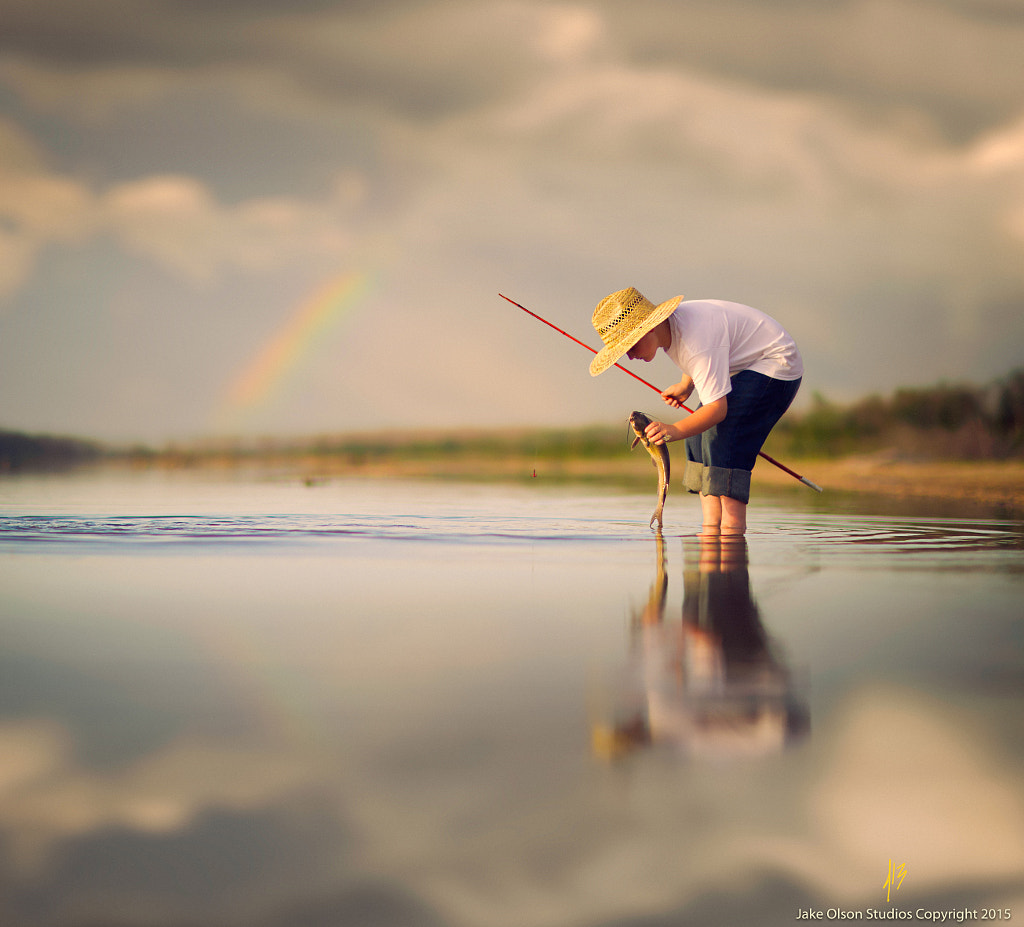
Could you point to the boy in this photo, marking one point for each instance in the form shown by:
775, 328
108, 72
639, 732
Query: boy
746, 370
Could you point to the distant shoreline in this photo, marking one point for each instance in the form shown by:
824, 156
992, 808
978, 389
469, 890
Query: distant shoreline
598, 454
994, 485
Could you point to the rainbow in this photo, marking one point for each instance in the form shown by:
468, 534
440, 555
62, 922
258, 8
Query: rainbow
268, 369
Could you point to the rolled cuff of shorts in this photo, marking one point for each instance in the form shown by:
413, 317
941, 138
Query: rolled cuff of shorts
723, 481
717, 481
693, 476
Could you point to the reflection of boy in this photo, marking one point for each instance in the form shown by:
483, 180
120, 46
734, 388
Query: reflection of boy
745, 367
710, 686
737, 694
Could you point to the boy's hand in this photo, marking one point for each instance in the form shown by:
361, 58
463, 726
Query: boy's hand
677, 394
662, 433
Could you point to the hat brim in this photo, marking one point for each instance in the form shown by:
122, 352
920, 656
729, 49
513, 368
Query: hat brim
610, 354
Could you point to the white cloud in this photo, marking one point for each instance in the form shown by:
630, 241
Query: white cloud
1000, 151
173, 220
568, 33
998, 159
176, 221
36, 207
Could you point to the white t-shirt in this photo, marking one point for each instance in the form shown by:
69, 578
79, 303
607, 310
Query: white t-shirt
713, 339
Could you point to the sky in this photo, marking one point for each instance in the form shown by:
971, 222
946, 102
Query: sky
250, 217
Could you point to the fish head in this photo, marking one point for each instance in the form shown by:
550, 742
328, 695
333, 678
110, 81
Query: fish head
638, 422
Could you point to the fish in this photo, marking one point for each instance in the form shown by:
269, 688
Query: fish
659, 457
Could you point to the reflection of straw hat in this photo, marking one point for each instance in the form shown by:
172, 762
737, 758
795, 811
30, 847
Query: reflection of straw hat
621, 320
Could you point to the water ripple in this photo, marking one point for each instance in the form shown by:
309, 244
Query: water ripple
905, 542
24, 530
908, 542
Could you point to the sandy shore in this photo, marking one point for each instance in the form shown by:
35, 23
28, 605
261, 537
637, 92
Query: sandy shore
990, 483
997, 484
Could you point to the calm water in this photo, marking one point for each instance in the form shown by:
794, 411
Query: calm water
382, 703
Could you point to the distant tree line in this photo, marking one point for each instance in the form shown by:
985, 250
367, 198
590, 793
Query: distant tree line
21, 452
944, 421
959, 422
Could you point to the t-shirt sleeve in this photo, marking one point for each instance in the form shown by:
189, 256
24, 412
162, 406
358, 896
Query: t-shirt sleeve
710, 372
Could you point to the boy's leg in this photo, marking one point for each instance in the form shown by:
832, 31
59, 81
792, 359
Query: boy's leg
734, 515
711, 508
720, 512
724, 513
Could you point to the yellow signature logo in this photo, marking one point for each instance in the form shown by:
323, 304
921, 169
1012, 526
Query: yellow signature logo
895, 879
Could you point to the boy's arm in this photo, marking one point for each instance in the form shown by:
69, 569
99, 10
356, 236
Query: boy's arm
701, 420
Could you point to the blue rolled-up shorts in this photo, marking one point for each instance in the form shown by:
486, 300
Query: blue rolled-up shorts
719, 460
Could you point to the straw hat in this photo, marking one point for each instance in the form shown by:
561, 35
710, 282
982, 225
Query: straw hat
621, 320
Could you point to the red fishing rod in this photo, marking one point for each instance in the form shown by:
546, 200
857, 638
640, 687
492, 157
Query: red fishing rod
771, 460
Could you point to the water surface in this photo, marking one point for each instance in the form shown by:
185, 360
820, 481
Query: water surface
256, 702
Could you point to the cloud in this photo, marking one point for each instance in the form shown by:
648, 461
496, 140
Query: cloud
892, 61
176, 221
68, 34
853, 169
433, 60
36, 207
173, 220
889, 60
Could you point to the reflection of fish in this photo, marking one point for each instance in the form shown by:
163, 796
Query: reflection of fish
659, 456
654, 611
